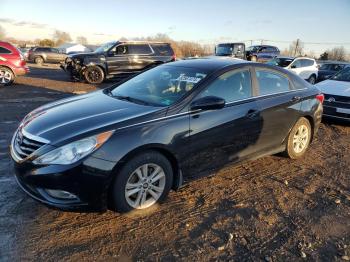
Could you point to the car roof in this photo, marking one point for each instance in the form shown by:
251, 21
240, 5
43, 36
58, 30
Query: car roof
142, 42
208, 63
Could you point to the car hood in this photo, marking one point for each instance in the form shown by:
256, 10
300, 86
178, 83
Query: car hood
68, 118
333, 87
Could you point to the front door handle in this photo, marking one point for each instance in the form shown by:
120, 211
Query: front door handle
252, 113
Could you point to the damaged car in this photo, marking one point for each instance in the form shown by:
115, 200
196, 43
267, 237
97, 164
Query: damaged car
117, 59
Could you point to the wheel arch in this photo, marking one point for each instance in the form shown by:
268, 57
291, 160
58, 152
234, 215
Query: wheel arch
171, 157
8, 67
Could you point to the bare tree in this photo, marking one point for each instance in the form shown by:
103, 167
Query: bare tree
61, 37
2, 32
46, 42
82, 40
296, 48
337, 53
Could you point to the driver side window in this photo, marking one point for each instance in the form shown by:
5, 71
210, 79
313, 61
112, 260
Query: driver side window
231, 86
121, 50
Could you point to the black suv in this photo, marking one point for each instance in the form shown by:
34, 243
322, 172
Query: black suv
261, 53
41, 55
117, 59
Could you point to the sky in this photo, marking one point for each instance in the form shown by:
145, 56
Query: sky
205, 21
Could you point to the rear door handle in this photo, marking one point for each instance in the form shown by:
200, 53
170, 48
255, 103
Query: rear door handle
252, 113
296, 98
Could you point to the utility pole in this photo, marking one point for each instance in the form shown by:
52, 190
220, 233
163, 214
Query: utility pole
296, 47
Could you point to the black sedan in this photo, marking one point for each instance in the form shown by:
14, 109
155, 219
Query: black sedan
327, 70
127, 146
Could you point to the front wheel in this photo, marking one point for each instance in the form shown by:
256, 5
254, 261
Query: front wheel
253, 59
6, 76
144, 180
39, 60
94, 75
299, 139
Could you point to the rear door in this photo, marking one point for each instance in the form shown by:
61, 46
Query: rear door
140, 56
227, 134
279, 106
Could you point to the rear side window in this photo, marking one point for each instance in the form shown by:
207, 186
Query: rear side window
271, 82
42, 49
163, 49
231, 86
4, 50
140, 49
307, 62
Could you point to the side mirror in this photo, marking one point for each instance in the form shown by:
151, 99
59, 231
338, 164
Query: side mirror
293, 66
208, 103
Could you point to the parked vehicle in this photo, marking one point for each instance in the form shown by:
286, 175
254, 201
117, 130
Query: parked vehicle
24, 51
328, 69
337, 95
12, 63
40, 55
236, 50
261, 53
129, 144
304, 67
117, 59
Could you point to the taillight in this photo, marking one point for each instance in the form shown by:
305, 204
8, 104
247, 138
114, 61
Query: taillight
320, 97
174, 57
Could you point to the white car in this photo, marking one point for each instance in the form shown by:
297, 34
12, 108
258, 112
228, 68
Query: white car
304, 67
337, 95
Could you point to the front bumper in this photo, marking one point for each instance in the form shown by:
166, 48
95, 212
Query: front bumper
74, 70
88, 180
337, 111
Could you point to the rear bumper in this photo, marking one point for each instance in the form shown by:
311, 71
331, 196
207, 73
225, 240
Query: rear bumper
19, 71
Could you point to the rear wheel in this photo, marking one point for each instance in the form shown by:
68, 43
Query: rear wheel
39, 60
94, 75
6, 76
299, 139
145, 180
312, 79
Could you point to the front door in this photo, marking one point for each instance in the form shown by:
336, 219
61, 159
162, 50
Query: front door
118, 60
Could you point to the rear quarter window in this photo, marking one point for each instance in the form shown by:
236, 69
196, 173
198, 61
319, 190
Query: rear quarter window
163, 49
140, 49
4, 50
271, 82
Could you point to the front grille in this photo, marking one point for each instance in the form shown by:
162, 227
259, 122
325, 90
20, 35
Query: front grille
25, 146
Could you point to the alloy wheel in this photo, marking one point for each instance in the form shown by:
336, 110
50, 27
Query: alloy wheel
5, 76
301, 138
145, 186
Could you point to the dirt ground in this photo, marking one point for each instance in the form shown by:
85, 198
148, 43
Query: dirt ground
271, 209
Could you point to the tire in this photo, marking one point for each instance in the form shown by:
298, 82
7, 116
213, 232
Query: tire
312, 79
132, 190
94, 75
298, 139
38, 60
6, 76
254, 59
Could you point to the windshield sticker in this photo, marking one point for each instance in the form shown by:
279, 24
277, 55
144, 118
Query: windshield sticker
189, 79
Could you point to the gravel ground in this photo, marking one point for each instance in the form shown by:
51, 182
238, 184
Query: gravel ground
271, 209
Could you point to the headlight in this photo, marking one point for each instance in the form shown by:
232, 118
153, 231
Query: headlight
74, 151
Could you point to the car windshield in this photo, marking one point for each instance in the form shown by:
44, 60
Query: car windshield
279, 61
252, 48
343, 75
160, 86
105, 47
226, 49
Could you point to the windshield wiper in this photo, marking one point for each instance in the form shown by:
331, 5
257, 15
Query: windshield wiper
132, 99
